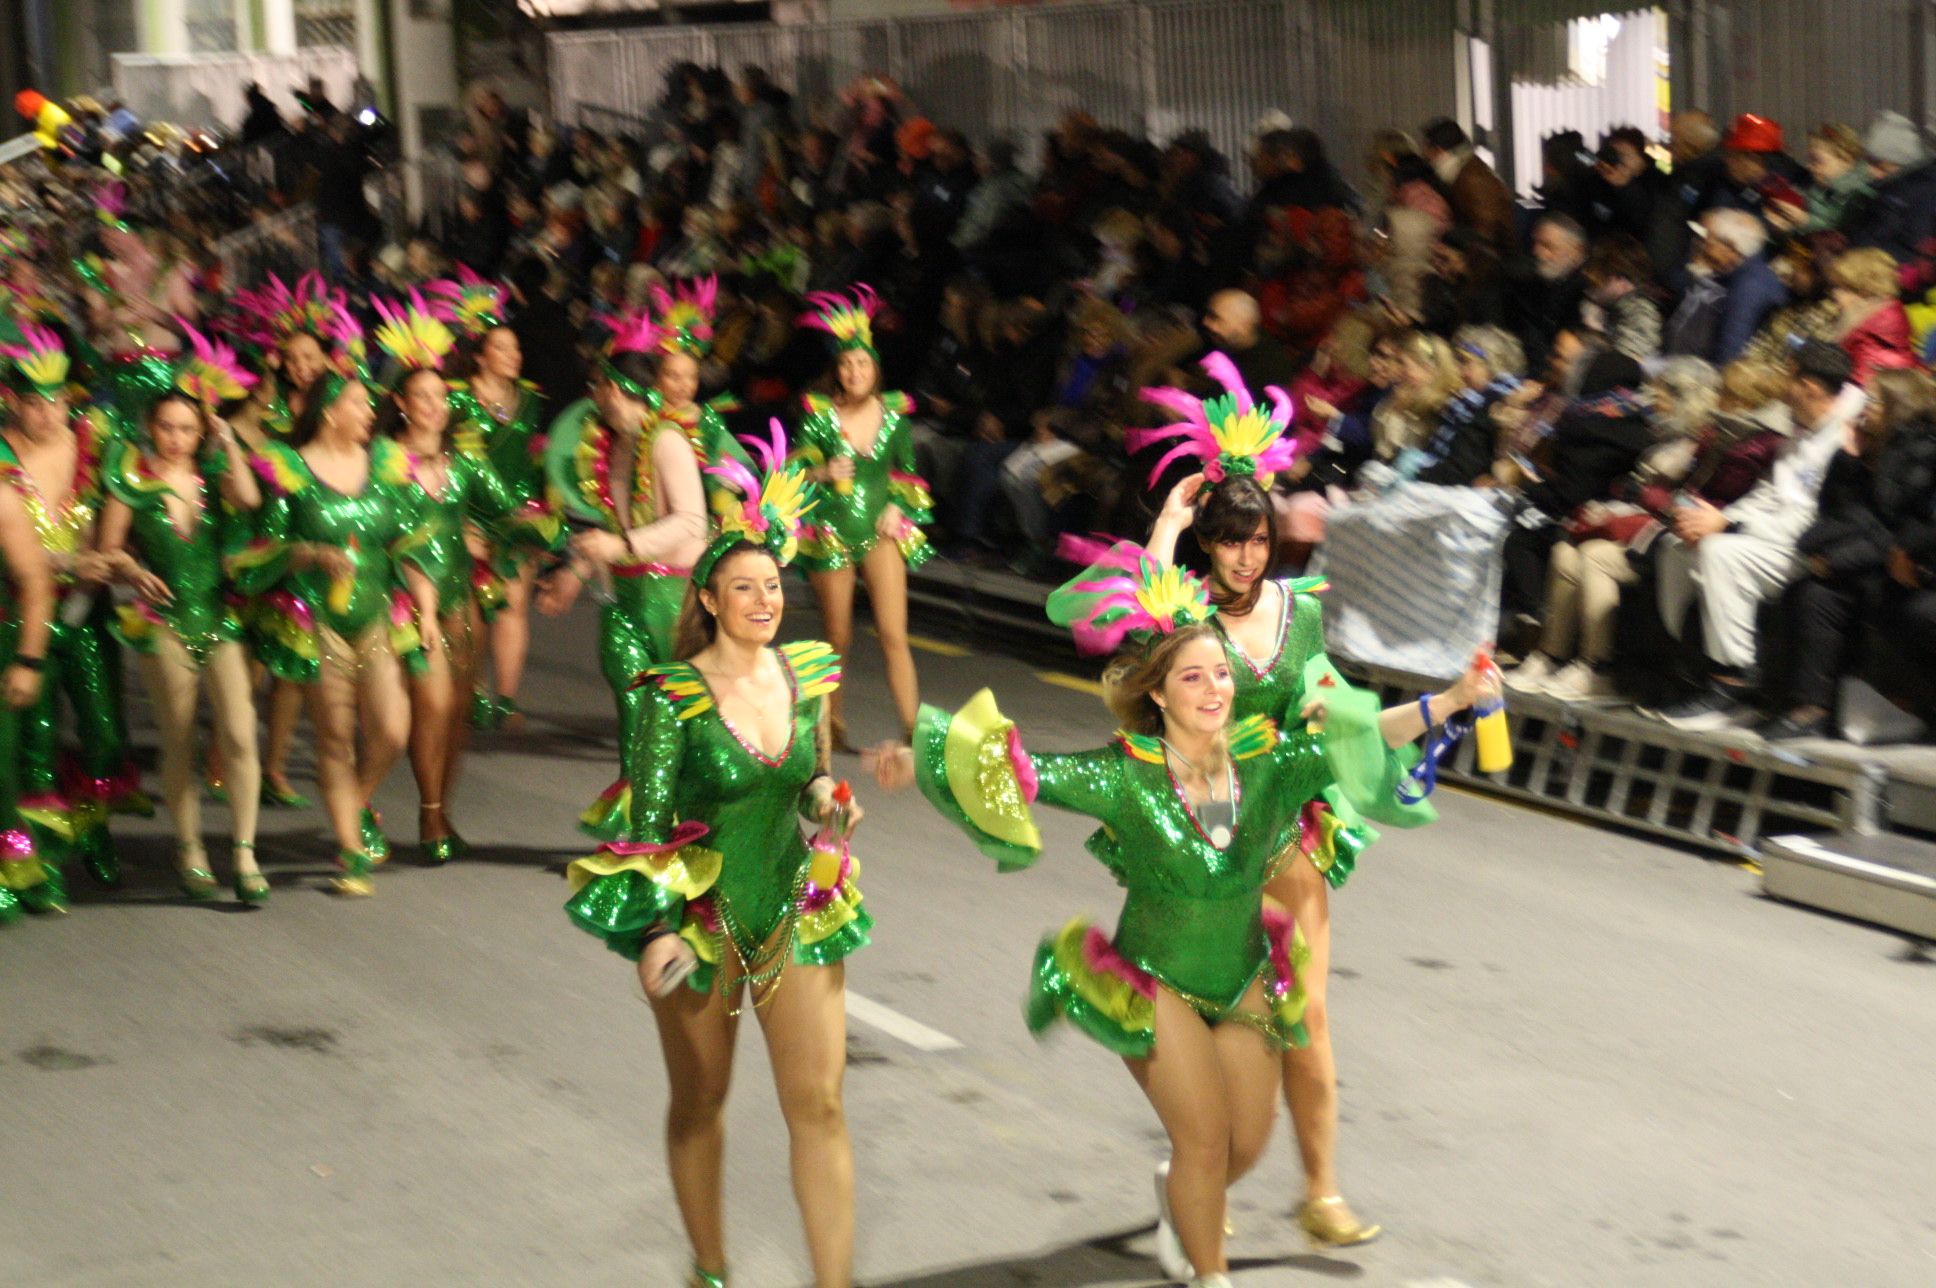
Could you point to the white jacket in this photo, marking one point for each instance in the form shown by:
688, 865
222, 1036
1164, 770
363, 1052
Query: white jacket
1781, 506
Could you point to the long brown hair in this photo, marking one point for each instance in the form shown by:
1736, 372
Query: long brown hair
697, 627
1139, 671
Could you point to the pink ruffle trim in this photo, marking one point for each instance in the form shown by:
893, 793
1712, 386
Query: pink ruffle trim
1280, 930
1023, 766
681, 836
1100, 956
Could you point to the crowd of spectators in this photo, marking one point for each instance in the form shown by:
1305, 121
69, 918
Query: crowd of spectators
1694, 370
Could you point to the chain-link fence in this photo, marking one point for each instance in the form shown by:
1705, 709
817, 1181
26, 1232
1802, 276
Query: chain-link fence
283, 244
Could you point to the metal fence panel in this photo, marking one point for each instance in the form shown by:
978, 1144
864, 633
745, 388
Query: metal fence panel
1628, 94
207, 89
1220, 66
1804, 62
962, 71
1089, 60
1376, 66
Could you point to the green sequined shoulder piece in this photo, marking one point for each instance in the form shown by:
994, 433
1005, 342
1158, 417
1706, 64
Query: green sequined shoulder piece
682, 685
1252, 736
815, 667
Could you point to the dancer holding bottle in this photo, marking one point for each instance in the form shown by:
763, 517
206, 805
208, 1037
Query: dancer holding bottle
859, 447
717, 895
178, 502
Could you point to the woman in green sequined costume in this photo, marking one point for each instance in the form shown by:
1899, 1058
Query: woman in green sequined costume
177, 505
732, 746
457, 489
611, 455
1200, 986
26, 609
860, 449
497, 413
345, 607
59, 455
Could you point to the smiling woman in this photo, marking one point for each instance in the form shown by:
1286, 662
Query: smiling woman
718, 891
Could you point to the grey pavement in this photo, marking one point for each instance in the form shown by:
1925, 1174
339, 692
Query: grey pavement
1569, 1058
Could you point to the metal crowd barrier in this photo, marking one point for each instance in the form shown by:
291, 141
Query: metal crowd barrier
283, 244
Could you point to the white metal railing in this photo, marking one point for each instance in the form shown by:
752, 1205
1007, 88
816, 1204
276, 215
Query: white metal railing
208, 90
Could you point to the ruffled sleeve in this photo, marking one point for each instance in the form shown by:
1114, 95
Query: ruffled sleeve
905, 486
490, 502
972, 768
257, 564
1365, 772
629, 886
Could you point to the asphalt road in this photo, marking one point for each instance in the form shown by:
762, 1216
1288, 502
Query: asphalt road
1569, 1058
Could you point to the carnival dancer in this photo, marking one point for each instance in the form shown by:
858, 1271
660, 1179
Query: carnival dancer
178, 503
58, 454
718, 881
1200, 986
26, 612
498, 414
344, 606
685, 325
860, 448
1271, 628
628, 483
456, 488
303, 334
137, 290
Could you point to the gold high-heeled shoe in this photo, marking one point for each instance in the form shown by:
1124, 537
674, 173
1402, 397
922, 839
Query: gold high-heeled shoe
1329, 1222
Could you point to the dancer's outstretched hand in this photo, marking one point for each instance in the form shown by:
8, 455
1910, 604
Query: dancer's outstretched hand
892, 764
558, 592
22, 687
664, 965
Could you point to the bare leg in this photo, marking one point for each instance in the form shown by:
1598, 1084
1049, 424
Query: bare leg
886, 575
174, 685
285, 706
511, 631
232, 698
696, 1036
464, 633
384, 701
332, 713
1310, 1073
432, 702
806, 1036
835, 591
1190, 1079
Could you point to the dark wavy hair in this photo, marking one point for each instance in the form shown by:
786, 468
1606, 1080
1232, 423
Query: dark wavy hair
1232, 512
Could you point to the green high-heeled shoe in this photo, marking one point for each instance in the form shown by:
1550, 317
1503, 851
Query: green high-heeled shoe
355, 880
484, 710
196, 883
374, 842
510, 715
10, 909
218, 791
282, 797
250, 887
99, 856
49, 897
700, 1279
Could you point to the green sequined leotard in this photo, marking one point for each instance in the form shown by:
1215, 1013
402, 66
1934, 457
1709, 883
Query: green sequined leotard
717, 852
472, 492
379, 526
21, 871
840, 531
1193, 918
636, 628
200, 613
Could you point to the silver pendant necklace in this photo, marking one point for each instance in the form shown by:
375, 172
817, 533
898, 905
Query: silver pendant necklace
1218, 817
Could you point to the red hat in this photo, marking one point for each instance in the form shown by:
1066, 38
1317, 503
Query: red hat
1753, 133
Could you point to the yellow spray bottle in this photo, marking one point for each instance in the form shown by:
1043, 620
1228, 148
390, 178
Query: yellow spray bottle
1492, 739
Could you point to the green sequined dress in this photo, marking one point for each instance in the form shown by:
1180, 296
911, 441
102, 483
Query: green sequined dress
472, 493
1193, 919
202, 612
381, 527
840, 531
21, 871
514, 444
717, 851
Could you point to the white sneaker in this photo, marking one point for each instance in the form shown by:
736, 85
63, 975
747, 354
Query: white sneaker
1532, 675
1211, 1281
1169, 1249
1579, 682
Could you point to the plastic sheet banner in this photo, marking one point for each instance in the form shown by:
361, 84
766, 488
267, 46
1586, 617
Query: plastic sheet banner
1414, 578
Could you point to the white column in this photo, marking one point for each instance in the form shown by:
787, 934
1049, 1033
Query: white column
163, 26
278, 34
246, 36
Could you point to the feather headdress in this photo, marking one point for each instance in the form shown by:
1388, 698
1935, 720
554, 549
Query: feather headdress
1231, 434
40, 363
468, 302
849, 321
686, 316
631, 333
411, 335
1126, 593
275, 311
211, 374
763, 508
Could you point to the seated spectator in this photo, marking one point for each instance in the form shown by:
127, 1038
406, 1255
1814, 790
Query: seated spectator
1235, 325
1411, 214
1760, 173
1465, 287
1341, 425
1317, 283
1810, 314
1873, 329
1632, 198
1619, 307
1459, 451
1480, 200
1003, 189
1075, 443
1550, 296
950, 389
1524, 419
1732, 289
1734, 558
1713, 451
1427, 380
1873, 487
1597, 440
1901, 213
1022, 349
1841, 192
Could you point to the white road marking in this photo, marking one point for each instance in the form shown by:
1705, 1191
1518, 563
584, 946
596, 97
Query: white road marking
896, 1025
